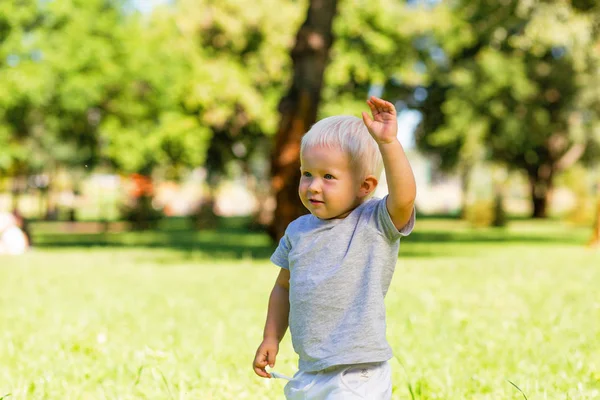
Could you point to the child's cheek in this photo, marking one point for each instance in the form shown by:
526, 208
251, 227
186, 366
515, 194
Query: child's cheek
303, 187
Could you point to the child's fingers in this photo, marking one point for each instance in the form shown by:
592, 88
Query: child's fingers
372, 106
261, 372
376, 102
260, 362
389, 106
381, 105
367, 119
271, 358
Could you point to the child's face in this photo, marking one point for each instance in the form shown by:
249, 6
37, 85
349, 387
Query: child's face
328, 186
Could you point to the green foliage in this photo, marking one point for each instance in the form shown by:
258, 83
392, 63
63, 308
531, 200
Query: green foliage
516, 86
373, 46
60, 66
146, 124
240, 66
480, 213
140, 213
84, 82
580, 182
198, 82
241, 57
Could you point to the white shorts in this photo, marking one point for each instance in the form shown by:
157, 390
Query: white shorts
371, 381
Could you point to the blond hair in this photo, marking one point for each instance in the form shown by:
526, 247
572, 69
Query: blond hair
350, 135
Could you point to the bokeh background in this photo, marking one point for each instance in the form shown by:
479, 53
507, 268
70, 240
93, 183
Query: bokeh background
149, 164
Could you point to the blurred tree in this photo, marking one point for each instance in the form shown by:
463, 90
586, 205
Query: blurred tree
145, 123
298, 109
373, 53
240, 68
146, 126
16, 99
51, 84
512, 81
97, 82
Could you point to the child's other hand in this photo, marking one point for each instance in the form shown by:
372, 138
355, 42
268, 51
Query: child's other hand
383, 126
265, 355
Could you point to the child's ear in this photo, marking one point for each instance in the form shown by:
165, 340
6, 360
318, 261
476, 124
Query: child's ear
368, 186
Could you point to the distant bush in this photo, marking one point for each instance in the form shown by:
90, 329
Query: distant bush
138, 208
140, 213
578, 180
205, 217
480, 213
584, 211
483, 213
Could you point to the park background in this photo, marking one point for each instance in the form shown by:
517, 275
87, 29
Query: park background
151, 150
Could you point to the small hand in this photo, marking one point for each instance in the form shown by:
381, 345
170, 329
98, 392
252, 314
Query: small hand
383, 126
265, 355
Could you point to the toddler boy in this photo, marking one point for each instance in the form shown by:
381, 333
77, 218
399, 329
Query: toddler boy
337, 262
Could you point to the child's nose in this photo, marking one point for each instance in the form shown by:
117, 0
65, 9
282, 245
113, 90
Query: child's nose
314, 186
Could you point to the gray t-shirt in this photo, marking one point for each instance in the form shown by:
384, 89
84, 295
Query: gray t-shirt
340, 271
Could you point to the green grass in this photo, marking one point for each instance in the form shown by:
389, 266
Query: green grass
175, 314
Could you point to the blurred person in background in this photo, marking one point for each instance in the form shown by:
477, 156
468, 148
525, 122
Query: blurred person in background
13, 239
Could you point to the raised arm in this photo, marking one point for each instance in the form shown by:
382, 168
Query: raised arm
383, 127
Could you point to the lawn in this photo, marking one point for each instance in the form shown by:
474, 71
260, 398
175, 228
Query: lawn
175, 314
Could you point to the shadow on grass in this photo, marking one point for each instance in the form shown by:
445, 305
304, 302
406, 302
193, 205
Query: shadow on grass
497, 235
233, 239
444, 244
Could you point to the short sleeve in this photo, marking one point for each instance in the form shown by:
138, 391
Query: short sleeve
280, 256
386, 225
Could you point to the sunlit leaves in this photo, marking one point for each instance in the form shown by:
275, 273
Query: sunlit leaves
527, 68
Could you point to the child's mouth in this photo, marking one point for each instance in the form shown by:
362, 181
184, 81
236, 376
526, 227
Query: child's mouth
315, 201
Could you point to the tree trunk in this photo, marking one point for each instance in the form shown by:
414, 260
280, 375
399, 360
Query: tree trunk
465, 176
298, 110
51, 207
540, 185
16, 190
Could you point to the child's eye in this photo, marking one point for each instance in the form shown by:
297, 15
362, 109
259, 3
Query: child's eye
306, 174
328, 176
